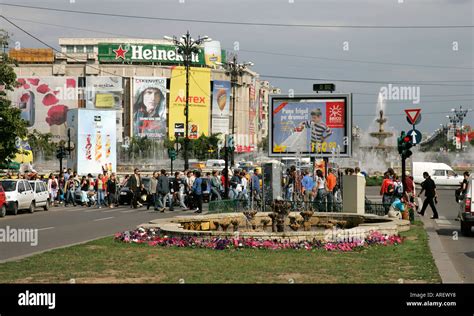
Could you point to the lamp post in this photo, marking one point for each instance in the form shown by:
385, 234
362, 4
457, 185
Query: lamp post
453, 120
235, 70
460, 115
187, 47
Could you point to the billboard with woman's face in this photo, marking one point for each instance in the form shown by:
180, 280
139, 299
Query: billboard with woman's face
149, 107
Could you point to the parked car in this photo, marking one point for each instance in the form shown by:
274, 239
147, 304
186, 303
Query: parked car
19, 195
126, 195
441, 173
467, 211
3, 202
41, 194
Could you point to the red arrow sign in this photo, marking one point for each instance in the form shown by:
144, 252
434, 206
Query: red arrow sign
412, 115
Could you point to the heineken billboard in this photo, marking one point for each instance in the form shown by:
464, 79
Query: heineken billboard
145, 53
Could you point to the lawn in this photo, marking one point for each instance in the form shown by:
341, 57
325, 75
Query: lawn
107, 261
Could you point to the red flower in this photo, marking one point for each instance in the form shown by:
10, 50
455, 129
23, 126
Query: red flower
43, 88
50, 99
33, 81
21, 81
70, 83
25, 97
57, 115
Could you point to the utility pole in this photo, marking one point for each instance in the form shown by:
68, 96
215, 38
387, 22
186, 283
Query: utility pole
187, 46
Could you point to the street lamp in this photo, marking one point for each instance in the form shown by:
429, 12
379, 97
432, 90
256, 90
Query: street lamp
187, 46
235, 70
460, 115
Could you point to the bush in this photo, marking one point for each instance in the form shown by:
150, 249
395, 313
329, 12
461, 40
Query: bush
374, 181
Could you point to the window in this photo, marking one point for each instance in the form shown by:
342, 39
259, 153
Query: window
89, 49
27, 186
38, 187
80, 49
451, 173
69, 49
438, 173
21, 187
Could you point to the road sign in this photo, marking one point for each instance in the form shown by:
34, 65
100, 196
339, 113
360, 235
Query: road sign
415, 136
179, 129
412, 116
230, 141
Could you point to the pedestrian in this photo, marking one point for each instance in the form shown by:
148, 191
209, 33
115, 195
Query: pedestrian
462, 191
153, 192
61, 186
320, 191
70, 189
216, 186
255, 185
67, 174
398, 187
409, 186
84, 190
244, 184
100, 186
197, 191
189, 189
331, 182
112, 191
135, 185
53, 188
164, 191
386, 191
307, 184
431, 196
235, 185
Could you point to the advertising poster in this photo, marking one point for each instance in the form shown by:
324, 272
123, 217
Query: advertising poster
45, 101
252, 115
199, 101
318, 125
104, 92
96, 141
149, 107
221, 107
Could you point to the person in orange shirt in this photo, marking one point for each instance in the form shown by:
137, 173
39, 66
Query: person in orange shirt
386, 191
331, 181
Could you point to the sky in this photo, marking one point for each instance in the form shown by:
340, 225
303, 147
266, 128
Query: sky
403, 57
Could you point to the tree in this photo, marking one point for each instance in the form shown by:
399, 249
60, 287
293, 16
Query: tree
41, 144
11, 126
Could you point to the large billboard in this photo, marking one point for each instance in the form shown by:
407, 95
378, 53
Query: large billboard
311, 125
220, 107
96, 140
149, 107
103, 92
198, 100
45, 101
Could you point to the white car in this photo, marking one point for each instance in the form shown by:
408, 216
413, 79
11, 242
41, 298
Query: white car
41, 193
19, 195
441, 173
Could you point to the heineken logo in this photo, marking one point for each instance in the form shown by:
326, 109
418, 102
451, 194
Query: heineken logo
144, 53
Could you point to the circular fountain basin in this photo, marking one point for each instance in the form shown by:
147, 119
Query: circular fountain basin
321, 226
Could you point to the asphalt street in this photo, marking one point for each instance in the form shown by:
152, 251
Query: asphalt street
62, 226
459, 248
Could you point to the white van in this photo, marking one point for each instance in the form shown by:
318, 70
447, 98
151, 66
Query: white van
215, 163
441, 173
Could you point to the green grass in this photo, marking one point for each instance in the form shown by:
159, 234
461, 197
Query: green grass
107, 261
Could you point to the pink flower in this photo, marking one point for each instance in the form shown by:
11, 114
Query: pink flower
33, 81
70, 83
43, 88
57, 115
25, 97
50, 99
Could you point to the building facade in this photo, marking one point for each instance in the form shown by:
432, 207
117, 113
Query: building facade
142, 80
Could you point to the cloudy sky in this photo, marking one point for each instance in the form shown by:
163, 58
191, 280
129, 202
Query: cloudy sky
409, 57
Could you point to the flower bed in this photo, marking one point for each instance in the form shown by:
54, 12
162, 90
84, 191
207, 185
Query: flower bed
153, 237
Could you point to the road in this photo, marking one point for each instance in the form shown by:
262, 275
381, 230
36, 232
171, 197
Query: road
459, 248
62, 226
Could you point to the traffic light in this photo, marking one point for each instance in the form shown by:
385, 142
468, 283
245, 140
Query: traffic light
172, 154
60, 153
400, 142
407, 144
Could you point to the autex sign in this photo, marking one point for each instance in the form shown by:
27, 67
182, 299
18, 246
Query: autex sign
127, 52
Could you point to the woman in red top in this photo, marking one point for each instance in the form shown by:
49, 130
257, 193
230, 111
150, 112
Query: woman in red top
386, 190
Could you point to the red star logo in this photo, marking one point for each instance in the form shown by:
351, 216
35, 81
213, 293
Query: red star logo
120, 52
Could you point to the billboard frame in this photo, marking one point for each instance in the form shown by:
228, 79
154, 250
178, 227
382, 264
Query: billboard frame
312, 96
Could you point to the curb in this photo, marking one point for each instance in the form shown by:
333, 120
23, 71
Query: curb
445, 266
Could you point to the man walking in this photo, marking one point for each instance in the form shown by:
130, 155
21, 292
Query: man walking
215, 186
135, 185
331, 181
431, 196
197, 191
154, 194
164, 191
307, 184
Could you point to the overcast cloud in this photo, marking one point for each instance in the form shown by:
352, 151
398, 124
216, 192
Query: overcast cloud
406, 46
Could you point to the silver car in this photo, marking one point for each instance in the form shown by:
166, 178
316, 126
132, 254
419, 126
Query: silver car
40, 190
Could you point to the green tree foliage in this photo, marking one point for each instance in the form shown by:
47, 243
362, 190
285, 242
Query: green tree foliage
11, 124
42, 145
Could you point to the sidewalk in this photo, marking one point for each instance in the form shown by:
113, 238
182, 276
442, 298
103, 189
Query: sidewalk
445, 266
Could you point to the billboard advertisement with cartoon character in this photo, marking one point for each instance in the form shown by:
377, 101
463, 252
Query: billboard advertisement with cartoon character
311, 125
